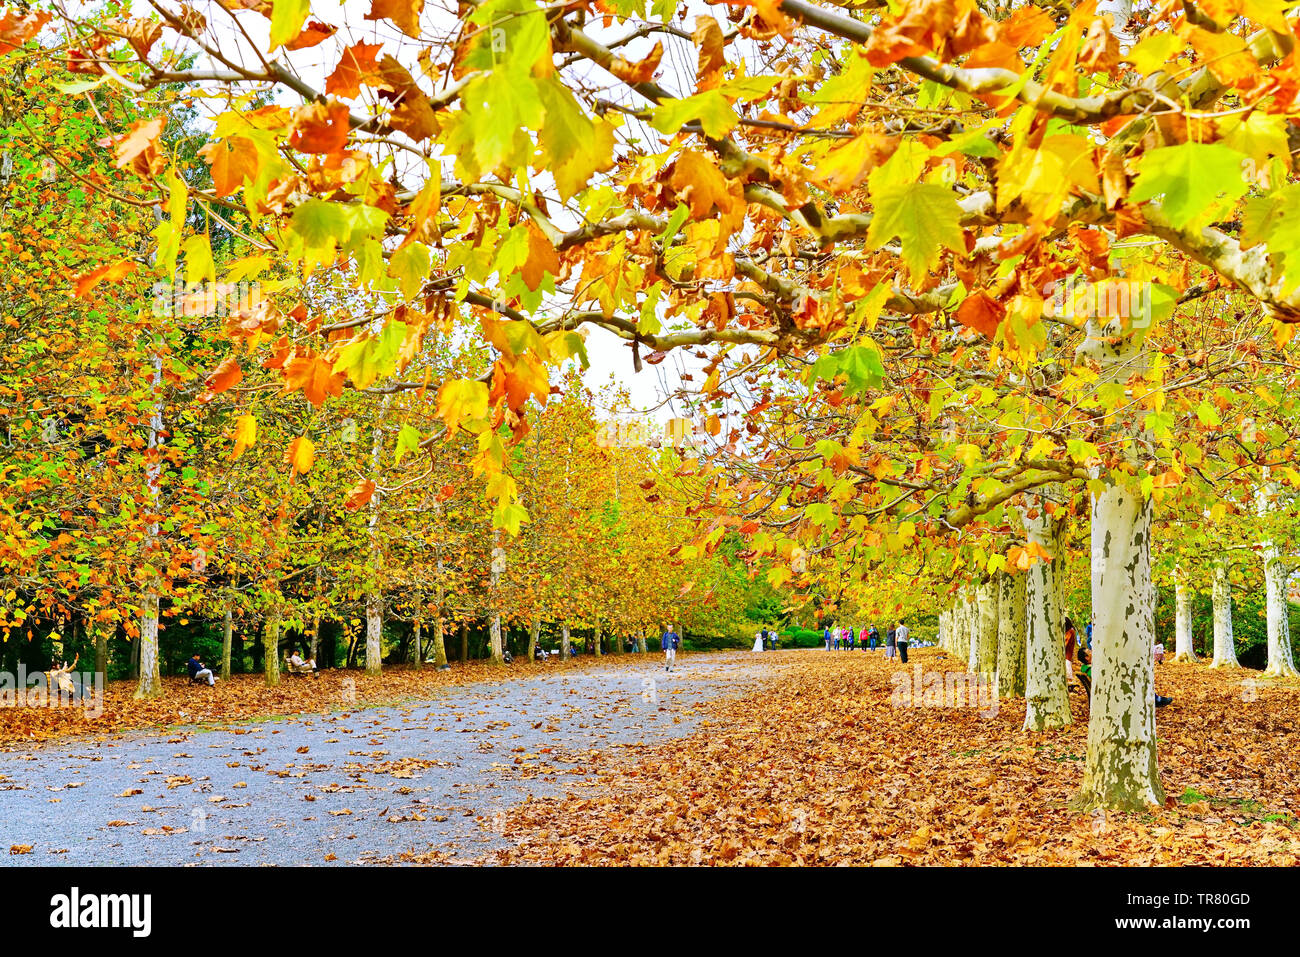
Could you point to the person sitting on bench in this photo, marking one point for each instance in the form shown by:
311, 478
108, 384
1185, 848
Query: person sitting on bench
199, 671
300, 666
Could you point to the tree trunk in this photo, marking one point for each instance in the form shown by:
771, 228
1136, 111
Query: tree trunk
374, 633
227, 631
150, 685
1281, 662
1225, 652
464, 642
1011, 635
439, 642
566, 646
271, 648
640, 643
595, 639
1122, 772
534, 632
1047, 700
986, 658
101, 647
419, 650
1183, 650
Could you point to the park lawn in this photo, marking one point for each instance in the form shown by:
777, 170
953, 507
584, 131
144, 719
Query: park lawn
820, 769
244, 697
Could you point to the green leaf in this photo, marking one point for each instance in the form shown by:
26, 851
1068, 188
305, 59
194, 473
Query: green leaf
924, 216
408, 440
710, 108
1190, 179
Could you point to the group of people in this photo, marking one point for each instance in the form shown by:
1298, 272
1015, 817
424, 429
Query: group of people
897, 639
765, 640
295, 664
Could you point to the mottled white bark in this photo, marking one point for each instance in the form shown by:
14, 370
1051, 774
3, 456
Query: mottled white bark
271, 649
1281, 662
150, 685
566, 646
534, 632
1011, 635
1183, 650
985, 659
374, 633
1121, 772
1047, 701
1225, 651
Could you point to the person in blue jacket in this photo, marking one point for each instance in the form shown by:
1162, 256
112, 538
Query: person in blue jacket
670, 643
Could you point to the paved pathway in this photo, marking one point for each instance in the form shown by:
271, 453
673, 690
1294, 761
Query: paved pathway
349, 787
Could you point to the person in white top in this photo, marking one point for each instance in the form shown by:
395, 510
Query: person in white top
900, 639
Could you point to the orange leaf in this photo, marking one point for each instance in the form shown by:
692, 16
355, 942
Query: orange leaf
320, 128
981, 312
223, 377
301, 455
232, 160
357, 63
315, 377
361, 494
404, 13
313, 33
113, 272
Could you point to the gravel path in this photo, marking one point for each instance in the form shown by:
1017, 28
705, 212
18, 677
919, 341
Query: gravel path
349, 787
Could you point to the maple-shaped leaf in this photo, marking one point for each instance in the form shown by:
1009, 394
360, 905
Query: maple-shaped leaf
109, 272
461, 399
924, 217
313, 33
360, 494
981, 312
225, 375
320, 128
301, 455
17, 28
137, 148
233, 161
542, 258
314, 376
1193, 180
404, 13
356, 65
245, 434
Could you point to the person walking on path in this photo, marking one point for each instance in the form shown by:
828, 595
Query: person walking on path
670, 643
826, 637
900, 638
889, 643
873, 637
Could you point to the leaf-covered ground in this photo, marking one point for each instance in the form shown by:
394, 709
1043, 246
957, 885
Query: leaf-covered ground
818, 768
246, 696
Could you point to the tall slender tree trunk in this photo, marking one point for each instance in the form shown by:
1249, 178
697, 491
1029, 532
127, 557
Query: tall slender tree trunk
315, 619
1122, 772
1047, 701
374, 633
534, 632
640, 642
227, 634
101, 647
566, 646
1225, 651
464, 642
1011, 635
1183, 650
495, 646
150, 685
1281, 661
986, 658
595, 638
419, 649
271, 648
439, 642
